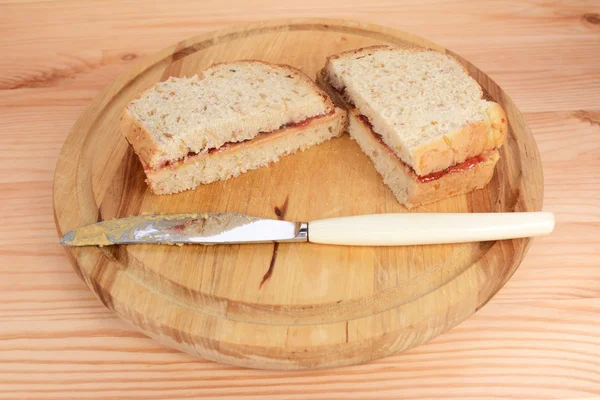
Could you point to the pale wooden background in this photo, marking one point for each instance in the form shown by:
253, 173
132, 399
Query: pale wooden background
538, 338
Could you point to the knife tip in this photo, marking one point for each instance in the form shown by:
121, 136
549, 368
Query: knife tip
67, 239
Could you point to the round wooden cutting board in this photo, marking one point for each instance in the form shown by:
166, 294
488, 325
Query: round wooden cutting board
287, 306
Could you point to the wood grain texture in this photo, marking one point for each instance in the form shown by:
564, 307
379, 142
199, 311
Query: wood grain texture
537, 338
283, 306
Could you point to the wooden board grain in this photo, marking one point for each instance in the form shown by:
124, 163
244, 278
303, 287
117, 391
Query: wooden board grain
294, 305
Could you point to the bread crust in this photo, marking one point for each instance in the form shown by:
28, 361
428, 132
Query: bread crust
443, 151
240, 157
377, 47
405, 184
150, 151
462, 144
140, 139
295, 71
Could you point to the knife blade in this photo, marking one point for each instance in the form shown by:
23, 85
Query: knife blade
360, 230
199, 228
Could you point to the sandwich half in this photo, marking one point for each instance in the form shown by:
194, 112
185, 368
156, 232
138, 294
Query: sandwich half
227, 120
421, 119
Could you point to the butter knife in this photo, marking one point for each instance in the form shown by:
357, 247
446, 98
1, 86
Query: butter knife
361, 230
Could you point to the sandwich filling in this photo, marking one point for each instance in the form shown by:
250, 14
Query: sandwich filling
461, 167
174, 164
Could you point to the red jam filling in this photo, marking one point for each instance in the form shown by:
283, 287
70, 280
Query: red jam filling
461, 167
228, 145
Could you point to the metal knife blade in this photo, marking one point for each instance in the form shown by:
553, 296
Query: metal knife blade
198, 228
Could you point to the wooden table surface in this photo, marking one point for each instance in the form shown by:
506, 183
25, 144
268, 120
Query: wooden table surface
538, 338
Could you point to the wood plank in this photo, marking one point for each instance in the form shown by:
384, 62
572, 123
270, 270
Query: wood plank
536, 339
552, 355
451, 17
51, 67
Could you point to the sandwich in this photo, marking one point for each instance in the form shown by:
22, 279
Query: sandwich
420, 118
229, 119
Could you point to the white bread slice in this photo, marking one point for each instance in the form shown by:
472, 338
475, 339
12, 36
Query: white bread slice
226, 103
423, 103
236, 158
410, 189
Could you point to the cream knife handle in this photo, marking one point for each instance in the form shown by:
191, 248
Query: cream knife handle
428, 228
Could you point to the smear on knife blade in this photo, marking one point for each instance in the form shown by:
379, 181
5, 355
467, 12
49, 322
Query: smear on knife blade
166, 229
